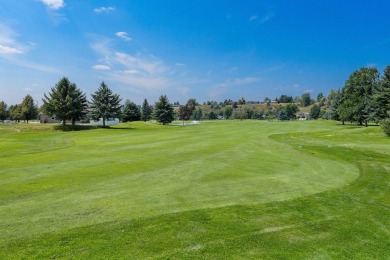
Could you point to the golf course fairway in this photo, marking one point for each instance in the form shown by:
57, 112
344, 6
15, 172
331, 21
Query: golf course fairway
216, 190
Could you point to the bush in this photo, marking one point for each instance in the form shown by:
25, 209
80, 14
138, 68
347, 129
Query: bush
385, 124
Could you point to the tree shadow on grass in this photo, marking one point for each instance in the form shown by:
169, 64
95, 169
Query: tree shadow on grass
68, 128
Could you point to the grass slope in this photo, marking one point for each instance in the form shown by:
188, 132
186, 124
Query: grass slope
216, 190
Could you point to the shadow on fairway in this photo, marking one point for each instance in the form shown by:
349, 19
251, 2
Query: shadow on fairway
68, 128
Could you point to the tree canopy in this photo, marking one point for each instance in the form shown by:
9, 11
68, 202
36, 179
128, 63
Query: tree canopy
146, 111
65, 101
3, 111
28, 108
130, 112
163, 111
105, 104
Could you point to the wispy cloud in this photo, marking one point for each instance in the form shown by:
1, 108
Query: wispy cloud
54, 4
8, 43
219, 89
12, 51
104, 9
101, 67
140, 70
123, 35
253, 17
267, 17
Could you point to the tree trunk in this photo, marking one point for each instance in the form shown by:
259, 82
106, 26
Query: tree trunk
366, 123
63, 122
104, 122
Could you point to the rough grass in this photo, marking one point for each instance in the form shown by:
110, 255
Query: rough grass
217, 190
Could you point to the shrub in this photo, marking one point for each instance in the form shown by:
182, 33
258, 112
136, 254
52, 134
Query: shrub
385, 124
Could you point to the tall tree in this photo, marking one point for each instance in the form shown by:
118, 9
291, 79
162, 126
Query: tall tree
333, 102
228, 112
192, 102
65, 101
3, 111
29, 109
15, 112
382, 95
185, 113
306, 99
146, 111
358, 99
315, 111
105, 104
130, 112
163, 111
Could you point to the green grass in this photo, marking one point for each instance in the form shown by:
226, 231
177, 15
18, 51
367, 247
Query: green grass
225, 189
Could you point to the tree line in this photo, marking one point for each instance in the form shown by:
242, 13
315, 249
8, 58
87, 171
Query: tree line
364, 98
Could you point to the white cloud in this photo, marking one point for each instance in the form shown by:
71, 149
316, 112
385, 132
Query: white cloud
140, 70
104, 9
8, 44
253, 17
101, 67
180, 64
9, 50
131, 71
123, 35
54, 4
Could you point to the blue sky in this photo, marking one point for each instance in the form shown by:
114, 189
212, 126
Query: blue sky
208, 50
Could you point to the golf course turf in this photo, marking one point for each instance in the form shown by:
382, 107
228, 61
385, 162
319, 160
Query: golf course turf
215, 190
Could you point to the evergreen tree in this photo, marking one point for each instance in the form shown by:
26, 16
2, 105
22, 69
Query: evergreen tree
3, 111
146, 111
105, 104
65, 101
130, 112
334, 100
163, 111
29, 109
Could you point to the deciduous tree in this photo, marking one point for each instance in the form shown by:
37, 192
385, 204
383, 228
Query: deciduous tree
29, 109
358, 101
315, 111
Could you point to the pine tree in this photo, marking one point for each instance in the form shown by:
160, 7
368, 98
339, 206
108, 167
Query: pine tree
146, 111
105, 104
130, 112
65, 101
3, 111
163, 111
